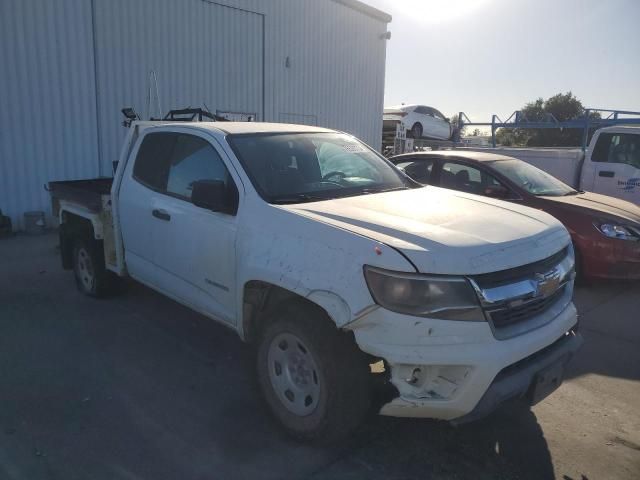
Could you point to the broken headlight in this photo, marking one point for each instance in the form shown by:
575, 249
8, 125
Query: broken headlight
442, 297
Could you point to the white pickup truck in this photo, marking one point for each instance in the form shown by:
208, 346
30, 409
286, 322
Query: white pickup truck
610, 166
360, 288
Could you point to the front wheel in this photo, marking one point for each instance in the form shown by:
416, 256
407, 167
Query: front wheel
313, 377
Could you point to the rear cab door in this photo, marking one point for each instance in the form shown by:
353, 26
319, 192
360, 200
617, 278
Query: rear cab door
612, 166
139, 193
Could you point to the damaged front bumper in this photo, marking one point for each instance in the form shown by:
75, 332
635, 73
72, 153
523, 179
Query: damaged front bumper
534, 377
454, 370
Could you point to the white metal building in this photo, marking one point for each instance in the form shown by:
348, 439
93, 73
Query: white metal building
67, 67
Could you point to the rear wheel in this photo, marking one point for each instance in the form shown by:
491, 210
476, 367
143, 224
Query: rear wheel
92, 278
416, 130
313, 377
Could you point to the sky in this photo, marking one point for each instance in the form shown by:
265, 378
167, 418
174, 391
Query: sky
493, 56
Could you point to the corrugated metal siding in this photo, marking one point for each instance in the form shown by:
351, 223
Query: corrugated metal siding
202, 52
337, 65
47, 114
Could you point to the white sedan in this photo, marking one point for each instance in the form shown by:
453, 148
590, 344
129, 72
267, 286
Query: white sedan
420, 121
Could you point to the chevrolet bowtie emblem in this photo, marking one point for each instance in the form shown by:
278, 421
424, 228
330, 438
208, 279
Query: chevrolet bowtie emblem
547, 283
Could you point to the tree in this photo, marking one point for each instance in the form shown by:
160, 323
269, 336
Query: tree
510, 137
562, 107
476, 132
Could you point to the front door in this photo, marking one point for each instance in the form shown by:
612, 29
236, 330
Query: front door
194, 248
614, 166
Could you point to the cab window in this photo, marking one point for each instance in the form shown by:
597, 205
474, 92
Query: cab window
618, 148
193, 159
170, 163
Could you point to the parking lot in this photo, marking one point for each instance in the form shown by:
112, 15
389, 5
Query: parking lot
139, 387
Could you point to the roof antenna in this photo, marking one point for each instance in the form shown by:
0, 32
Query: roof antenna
153, 82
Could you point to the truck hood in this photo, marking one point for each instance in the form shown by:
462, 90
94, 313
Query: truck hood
445, 232
601, 204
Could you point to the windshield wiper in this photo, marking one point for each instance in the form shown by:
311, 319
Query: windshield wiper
309, 197
298, 198
573, 192
382, 190
369, 191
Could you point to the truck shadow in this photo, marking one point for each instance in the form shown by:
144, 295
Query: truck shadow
508, 444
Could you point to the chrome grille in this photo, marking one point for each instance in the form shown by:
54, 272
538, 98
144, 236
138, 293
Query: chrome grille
508, 316
511, 297
503, 277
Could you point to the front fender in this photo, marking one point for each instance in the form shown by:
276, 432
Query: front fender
335, 306
312, 259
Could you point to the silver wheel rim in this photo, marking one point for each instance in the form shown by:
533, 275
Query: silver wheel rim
293, 374
85, 269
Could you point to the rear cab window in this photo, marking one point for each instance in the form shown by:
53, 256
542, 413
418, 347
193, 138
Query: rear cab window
152, 162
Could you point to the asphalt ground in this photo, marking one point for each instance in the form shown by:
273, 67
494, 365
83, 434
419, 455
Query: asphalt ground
139, 387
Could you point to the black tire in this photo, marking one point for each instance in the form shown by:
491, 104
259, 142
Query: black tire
340, 372
92, 278
416, 130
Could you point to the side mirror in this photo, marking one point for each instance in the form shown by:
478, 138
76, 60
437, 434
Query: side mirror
496, 191
214, 195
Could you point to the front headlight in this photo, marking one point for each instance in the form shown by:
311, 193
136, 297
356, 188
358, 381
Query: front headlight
612, 230
447, 298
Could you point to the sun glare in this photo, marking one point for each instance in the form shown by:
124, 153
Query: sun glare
438, 11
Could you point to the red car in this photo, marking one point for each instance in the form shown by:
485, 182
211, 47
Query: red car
605, 230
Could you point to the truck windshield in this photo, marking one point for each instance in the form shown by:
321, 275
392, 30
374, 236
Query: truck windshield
532, 179
306, 167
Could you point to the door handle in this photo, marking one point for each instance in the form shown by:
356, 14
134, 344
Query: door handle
607, 173
161, 214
